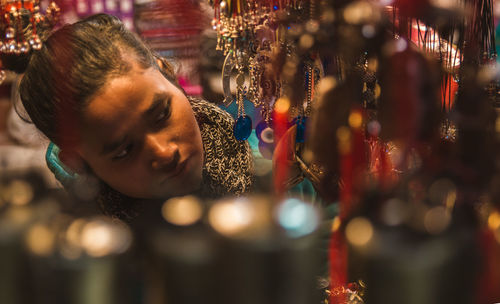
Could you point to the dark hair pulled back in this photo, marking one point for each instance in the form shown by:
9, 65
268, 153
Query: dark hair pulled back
73, 64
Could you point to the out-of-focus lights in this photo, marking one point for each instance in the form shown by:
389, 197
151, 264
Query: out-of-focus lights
450, 199
343, 134
355, 119
386, 2
71, 247
306, 41
368, 31
400, 45
359, 231
443, 192
394, 212
74, 231
445, 3
344, 139
395, 46
328, 16
312, 26
100, 237
40, 240
374, 128
336, 223
230, 217
494, 220
182, 211
436, 220
96, 239
20, 192
372, 64
377, 91
325, 85
297, 217
282, 105
19, 215
359, 12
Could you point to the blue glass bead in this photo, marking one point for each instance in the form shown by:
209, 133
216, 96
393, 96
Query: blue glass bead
259, 128
301, 129
242, 127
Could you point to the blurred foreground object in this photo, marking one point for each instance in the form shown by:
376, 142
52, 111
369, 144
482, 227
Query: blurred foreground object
248, 250
245, 250
49, 255
408, 160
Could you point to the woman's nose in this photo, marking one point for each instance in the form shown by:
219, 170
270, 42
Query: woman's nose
163, 154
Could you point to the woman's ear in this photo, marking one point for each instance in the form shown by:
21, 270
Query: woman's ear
73, 161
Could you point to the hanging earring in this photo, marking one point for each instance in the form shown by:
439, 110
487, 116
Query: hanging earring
243, 125
313, 73
304, 108
265, 134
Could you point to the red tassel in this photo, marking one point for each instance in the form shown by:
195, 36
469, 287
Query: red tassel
282, 155
449, 88
338, 267
352, 171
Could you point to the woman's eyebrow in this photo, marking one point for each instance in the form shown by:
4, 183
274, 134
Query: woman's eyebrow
158, 100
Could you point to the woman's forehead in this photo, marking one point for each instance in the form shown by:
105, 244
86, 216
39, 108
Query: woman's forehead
124, 96
121, 105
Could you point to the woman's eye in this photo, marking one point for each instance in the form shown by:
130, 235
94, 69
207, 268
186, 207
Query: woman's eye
165, 114
123, 153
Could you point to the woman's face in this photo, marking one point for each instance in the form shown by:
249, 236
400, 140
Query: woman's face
140, 136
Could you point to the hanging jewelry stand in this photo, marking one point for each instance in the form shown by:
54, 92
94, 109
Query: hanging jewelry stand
15, 17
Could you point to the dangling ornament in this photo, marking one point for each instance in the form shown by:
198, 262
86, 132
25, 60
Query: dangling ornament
243, 124
301, 129
265, 134
247, 33
243, 127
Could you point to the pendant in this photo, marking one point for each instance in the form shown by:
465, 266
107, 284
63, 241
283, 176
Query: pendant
264, 132
242, 127
301, 129
259, 128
